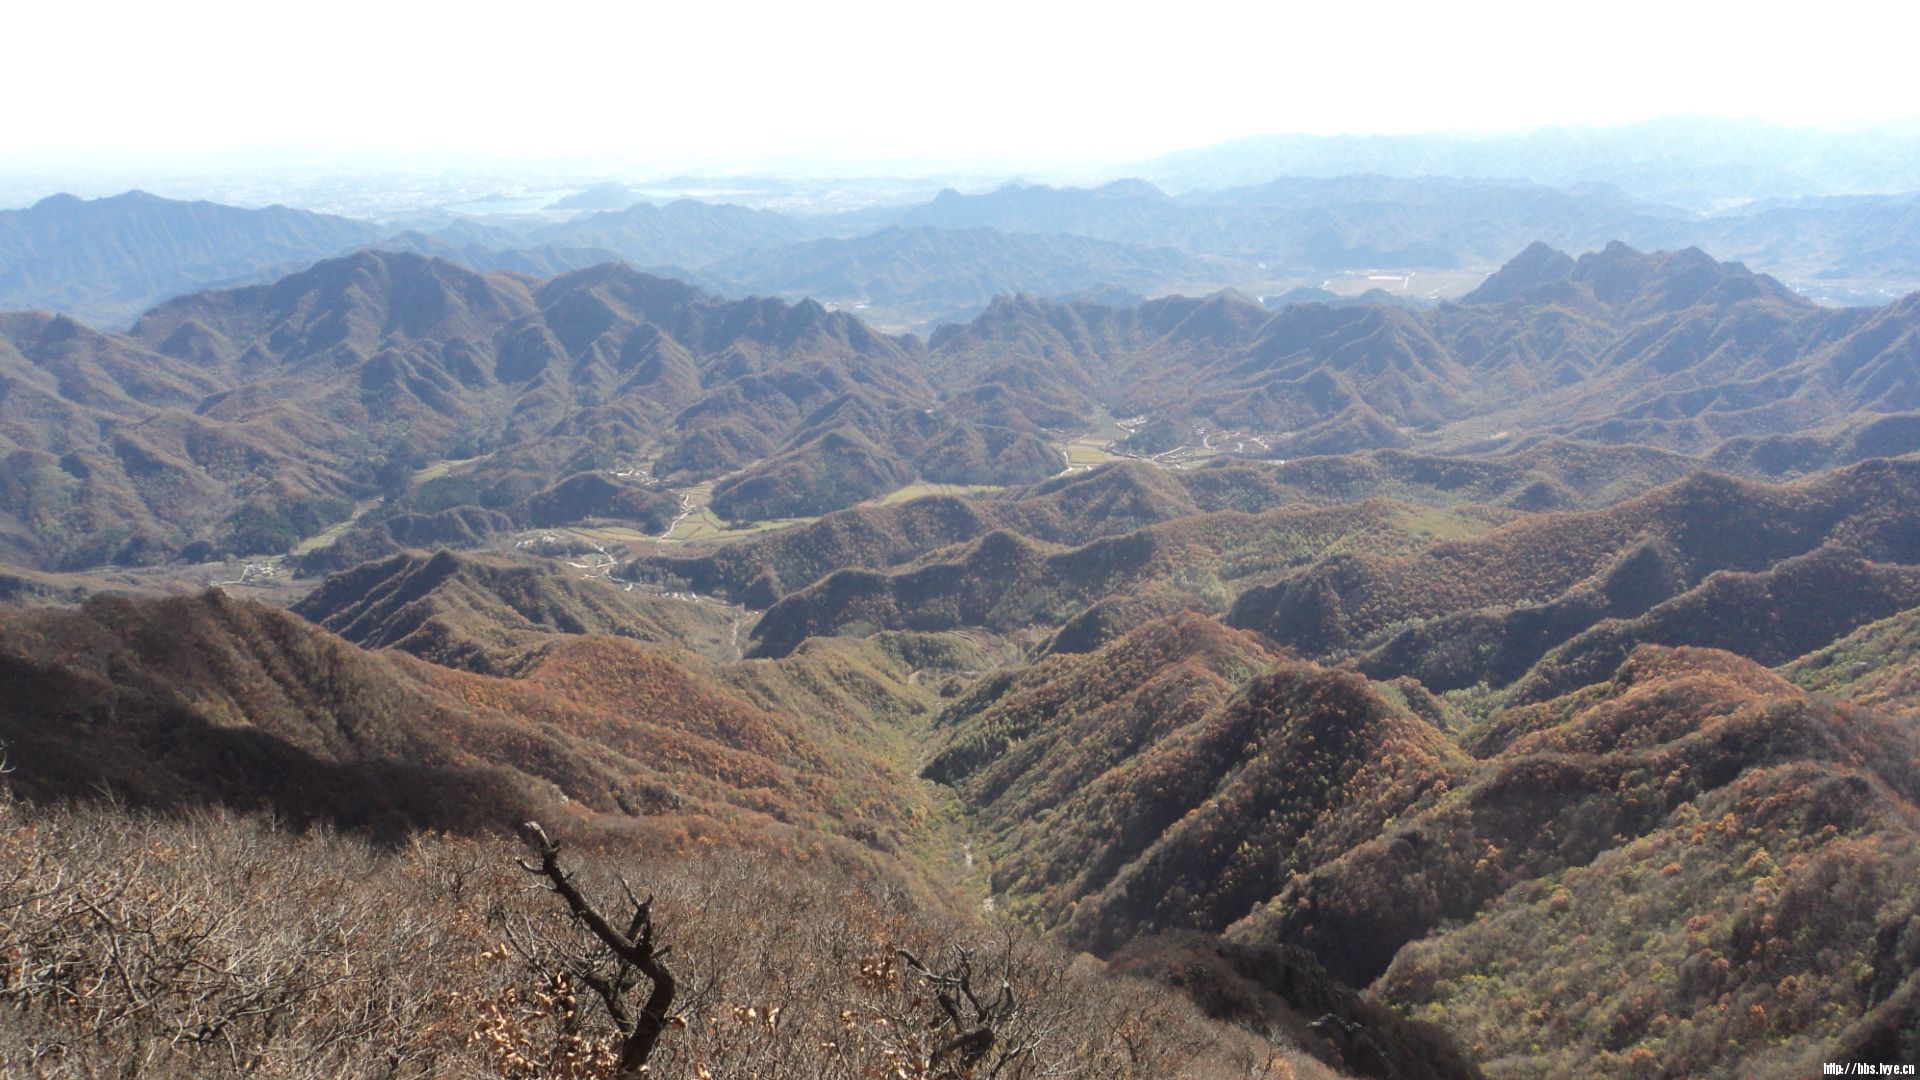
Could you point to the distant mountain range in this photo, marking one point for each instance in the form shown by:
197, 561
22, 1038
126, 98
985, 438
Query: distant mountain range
106, 260
683, 232
915, 267
928, 276
1332, 225
611, 195
1670, 349
1693, 161
1312, 226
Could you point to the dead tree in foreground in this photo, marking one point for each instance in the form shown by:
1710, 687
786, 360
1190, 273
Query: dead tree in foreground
634, 952
978, 1025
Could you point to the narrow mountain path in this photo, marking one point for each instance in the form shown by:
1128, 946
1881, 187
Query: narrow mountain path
739, 620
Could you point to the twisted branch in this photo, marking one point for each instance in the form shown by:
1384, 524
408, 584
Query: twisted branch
635, 950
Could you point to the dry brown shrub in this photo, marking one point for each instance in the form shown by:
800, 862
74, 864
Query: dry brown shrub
219, 945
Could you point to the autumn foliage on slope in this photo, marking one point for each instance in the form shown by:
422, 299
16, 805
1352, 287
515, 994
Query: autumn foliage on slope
1620, 879
1876, 665
493, 614
1691, 865
1178, 777
182, 700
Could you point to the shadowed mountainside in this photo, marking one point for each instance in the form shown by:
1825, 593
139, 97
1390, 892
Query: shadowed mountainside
1006, 582
185, 700
1120, 497
1487, 608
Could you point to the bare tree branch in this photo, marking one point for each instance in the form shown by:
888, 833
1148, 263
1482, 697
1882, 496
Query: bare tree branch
634, 949
975, 1036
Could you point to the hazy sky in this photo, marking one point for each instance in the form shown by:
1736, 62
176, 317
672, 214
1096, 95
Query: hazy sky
690, 83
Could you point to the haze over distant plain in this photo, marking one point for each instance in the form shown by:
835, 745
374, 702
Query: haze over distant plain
754, 85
